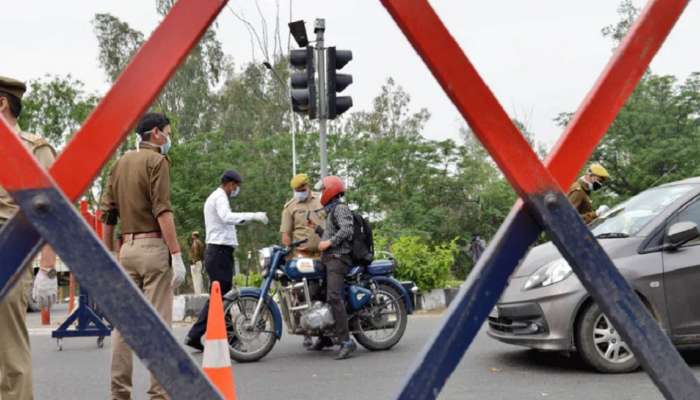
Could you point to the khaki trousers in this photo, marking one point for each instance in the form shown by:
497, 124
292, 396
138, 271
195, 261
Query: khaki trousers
147, 262
15, 356
197, 284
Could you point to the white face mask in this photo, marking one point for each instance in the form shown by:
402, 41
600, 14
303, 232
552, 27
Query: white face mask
301, 196
164, 149
235, 192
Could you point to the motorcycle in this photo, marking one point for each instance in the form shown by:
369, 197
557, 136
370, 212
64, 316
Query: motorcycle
292, 289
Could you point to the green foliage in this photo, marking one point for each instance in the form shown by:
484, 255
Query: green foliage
429, 267
55, 107
253, 279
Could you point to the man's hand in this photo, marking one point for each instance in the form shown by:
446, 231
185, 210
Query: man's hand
45, 291
260, 217
324, 245
178, 269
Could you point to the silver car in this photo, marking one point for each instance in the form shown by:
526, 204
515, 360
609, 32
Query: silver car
653, 240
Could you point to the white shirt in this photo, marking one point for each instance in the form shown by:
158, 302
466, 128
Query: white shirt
220, 222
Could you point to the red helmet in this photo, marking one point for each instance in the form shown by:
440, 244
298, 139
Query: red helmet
331, 186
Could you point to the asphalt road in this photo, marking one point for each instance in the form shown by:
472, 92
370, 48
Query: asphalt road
490, 370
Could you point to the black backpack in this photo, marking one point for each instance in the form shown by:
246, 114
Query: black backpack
362, 243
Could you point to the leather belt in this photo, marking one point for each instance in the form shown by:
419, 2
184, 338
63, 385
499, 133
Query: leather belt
145, 235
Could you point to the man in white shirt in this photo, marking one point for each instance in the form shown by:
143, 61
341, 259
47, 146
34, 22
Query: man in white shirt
220, 223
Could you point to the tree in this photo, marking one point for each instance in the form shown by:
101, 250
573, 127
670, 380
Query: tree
188, 97
55, 107
654, 137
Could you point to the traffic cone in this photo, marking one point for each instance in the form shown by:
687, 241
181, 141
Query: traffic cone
216, 360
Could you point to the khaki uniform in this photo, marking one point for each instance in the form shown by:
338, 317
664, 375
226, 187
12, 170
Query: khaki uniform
196, 256
295, 224
15, 355
139, 190
579, 196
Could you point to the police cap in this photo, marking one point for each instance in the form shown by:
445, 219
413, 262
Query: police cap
13, 87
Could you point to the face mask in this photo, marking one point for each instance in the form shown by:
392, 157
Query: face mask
596, 186
164, 149
301, 196
235, 192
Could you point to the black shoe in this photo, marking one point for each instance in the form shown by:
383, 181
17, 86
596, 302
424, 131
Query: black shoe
308, 342
321, 343
346, 349
195, 344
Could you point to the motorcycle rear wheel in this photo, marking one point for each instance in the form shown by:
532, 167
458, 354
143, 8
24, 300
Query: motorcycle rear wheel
249, 344
386, 312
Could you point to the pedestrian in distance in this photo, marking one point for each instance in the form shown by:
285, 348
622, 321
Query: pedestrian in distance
15, 355
196, 257
221, 238
137, 196
476, 247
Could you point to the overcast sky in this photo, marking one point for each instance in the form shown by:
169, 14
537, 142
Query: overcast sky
540, 57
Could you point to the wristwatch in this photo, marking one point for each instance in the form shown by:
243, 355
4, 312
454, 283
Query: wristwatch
50, 272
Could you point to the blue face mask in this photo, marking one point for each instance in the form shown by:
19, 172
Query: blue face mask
164, 149
235, 192
301, 196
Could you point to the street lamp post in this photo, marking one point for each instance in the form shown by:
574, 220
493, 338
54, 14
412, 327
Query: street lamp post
292, 123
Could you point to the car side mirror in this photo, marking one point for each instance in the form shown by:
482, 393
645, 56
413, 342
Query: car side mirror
681, 233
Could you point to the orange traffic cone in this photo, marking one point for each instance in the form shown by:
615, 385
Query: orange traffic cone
216, 360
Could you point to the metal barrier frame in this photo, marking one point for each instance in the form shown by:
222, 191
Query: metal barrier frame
46, 209
543, 206
47, 215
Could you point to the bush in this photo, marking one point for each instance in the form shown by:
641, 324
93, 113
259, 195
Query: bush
428, 267
254, 280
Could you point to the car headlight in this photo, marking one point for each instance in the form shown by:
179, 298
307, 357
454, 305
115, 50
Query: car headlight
549, 274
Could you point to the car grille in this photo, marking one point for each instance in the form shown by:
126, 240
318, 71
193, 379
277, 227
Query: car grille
521, 319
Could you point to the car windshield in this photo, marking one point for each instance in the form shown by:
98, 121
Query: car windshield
629, 217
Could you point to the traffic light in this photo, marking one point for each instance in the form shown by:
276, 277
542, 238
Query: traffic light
335, 60
303, 81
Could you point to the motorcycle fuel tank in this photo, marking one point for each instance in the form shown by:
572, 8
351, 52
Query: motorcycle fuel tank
298, 268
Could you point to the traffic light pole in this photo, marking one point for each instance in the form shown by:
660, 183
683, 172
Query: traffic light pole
319, 28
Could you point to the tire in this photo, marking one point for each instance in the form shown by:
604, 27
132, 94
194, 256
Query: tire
365, 322
601, 346
237, 313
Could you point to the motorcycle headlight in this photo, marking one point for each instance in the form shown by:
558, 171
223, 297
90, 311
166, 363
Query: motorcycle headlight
264, 256
549, 274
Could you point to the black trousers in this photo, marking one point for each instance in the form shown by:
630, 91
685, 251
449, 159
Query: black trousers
218, 262
336, 269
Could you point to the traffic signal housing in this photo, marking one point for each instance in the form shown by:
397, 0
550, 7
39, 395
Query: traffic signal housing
336, 60
303, 81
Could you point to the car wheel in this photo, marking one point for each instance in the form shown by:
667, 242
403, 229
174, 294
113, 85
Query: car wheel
601, 345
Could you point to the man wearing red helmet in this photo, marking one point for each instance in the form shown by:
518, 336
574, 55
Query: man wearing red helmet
335, 249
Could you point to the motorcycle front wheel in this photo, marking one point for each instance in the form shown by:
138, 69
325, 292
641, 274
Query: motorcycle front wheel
249, 343
381, 324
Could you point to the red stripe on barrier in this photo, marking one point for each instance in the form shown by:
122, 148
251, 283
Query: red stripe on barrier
18, 169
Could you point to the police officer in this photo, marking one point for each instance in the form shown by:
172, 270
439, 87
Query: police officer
580, 192
295, 216
303, 205
15, 355
138, 196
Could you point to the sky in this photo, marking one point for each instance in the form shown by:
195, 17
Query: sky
540, 57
